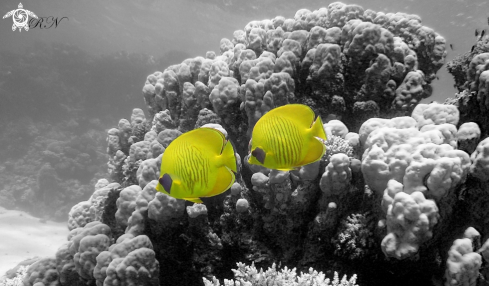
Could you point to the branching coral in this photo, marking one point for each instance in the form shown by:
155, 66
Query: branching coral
18, 279
355, 238
249, 275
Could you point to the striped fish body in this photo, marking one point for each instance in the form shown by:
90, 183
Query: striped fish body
283, 141
199, 163
285, 138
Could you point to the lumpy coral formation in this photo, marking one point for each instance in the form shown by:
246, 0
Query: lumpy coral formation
400, 181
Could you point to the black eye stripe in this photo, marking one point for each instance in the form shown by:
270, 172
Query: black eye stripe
259, 154
166, 182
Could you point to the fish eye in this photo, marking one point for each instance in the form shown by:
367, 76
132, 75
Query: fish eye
259, 154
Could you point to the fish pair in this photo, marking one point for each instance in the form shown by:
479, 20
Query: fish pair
202, 163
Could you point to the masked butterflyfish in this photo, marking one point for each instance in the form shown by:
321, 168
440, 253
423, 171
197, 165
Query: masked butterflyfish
199, 163
286, 138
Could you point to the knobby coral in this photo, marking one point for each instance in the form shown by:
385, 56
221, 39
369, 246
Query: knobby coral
407, 172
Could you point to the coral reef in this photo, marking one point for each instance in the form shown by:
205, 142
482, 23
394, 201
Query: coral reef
469, 71
56, 170
249, 275
398, 187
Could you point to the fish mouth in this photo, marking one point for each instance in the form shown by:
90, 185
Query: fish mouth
259, 154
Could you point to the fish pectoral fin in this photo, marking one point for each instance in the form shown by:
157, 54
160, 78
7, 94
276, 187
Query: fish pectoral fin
194, 200
315, 152
225, 179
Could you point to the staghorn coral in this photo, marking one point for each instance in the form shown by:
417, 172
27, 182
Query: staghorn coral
336, 145
355, 239
18, 279
249, 275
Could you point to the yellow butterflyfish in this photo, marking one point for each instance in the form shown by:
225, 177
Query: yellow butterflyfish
286, 138
199, 163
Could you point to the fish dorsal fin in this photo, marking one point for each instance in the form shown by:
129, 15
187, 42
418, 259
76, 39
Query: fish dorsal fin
299, 113
207, 138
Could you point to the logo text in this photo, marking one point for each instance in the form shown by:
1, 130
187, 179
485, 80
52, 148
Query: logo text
45, 22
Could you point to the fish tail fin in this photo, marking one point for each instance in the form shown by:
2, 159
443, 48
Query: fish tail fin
315, 152
317, 129
228, 157
317, 148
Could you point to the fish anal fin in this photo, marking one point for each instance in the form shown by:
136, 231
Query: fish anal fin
194, 200
314, 153
225, 179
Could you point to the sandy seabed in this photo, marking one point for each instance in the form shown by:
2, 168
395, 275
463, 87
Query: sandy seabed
23, 236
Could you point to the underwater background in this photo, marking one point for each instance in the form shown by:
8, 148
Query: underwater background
64, 90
